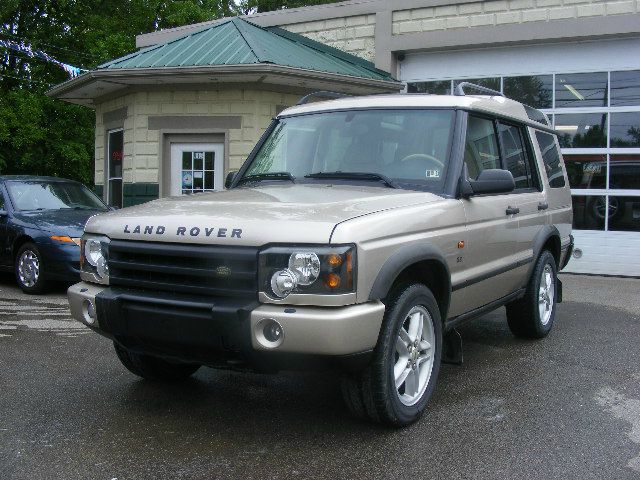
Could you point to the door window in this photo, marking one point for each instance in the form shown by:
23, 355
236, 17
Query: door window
481, 147
198, 172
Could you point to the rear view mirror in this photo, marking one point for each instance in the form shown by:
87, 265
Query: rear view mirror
493, 180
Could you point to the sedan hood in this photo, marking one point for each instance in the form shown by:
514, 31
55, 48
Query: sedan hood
280, 213
65, 221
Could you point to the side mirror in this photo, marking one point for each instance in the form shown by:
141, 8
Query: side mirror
229, 180
493, 180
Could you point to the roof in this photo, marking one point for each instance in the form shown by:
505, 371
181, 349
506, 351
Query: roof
235, 41
497, 105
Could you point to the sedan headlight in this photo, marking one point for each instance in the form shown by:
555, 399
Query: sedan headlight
318, 270
94, 258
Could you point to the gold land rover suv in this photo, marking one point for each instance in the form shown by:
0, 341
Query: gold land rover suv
357, 236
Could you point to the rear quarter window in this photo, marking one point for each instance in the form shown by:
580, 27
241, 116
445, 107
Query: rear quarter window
551, 159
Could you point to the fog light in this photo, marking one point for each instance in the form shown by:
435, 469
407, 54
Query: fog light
272, 331
269, 333
88, 312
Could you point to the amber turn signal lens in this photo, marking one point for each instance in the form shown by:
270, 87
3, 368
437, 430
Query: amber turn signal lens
334, 260
332, 280
62, 238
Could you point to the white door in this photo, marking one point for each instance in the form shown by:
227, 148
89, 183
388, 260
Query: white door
196, 167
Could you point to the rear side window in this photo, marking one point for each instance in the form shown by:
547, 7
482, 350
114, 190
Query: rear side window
551, 159
481, 148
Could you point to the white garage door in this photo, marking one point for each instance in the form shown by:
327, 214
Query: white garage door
591, 92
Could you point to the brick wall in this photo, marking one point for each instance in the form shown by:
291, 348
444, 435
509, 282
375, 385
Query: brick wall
142, 146
354, 34
496, 12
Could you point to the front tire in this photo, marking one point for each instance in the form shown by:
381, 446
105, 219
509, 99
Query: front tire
397, 385
533, 315
28, 270
154, 368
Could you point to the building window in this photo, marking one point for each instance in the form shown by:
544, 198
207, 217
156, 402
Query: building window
581, 90
116, 155
533, 90
198, 172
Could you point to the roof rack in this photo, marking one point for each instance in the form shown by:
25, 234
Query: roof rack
321, 93
459, 91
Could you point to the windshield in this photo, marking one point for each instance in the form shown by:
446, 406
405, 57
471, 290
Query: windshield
408, 148
52, 196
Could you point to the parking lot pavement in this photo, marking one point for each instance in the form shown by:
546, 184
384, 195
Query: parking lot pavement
565, 407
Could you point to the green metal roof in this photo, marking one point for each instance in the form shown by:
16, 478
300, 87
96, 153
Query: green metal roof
237, 42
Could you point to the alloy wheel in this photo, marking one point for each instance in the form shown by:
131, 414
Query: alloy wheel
414, 354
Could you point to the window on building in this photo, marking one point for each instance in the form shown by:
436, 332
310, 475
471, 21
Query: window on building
481, 147
434, 88
197, 172
586, 171
582, 130
625, 88
624, 173
115, 151
581, 90
533, 90
625, 130
552, 159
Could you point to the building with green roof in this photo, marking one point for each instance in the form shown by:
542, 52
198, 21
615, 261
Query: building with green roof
173, 118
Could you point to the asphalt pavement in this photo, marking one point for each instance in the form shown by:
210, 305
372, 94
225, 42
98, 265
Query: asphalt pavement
566, 407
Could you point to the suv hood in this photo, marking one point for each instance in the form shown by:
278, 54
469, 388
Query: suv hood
279, 213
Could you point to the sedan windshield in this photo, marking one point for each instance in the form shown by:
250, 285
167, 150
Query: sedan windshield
396, 148
39, 195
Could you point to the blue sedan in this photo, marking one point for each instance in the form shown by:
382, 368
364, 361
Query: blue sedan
41, 222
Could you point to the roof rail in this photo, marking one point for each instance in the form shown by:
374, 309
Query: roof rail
461, 86
321, 93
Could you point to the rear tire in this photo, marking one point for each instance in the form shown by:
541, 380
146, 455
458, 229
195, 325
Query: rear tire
396, 386
154, 368
533, 315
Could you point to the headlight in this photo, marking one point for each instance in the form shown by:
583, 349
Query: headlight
318, 270
94, 253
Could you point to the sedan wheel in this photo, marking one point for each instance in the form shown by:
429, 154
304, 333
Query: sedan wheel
28, 269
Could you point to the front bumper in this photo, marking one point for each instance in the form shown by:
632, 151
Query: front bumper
218, 330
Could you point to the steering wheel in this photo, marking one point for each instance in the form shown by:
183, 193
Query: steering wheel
422, 160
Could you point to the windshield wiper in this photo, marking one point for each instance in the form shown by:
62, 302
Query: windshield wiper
355, 176
268, 176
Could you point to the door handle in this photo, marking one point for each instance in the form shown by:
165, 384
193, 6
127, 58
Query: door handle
543, 206
512, 210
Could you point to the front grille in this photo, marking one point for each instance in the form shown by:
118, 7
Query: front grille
196, 269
